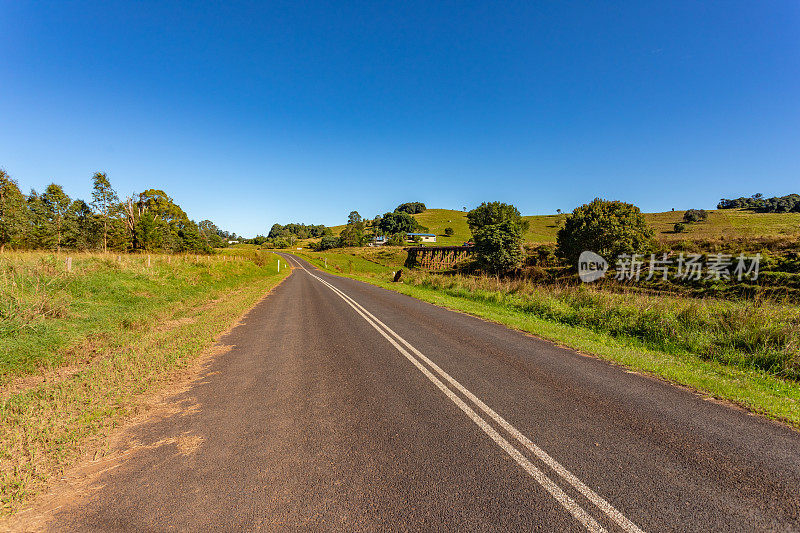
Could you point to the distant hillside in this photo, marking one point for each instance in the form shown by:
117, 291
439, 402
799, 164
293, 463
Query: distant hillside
721, 224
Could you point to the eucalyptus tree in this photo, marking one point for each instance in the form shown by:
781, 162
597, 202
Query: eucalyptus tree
104, 198
13, 212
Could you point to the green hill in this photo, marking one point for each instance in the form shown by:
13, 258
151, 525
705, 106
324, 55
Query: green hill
722, 224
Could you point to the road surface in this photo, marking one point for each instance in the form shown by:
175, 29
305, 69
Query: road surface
343, 406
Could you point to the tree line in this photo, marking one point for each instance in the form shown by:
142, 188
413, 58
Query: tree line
148, 221
777, 204
395, 226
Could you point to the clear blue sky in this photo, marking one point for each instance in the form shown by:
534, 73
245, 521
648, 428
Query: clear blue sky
250, 113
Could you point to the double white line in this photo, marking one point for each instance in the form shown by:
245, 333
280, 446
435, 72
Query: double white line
417, 358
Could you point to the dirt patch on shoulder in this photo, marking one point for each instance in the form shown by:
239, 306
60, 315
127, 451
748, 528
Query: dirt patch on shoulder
176, 323
24, 383
83, 479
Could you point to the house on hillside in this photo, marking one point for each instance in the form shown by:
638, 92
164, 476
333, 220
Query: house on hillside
378, 240
425, 237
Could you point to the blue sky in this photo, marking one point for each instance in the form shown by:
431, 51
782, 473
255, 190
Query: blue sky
250, 113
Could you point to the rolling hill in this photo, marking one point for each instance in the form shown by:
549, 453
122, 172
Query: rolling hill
722, 224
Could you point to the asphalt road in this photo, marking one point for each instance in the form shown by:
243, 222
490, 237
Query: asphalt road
343, 406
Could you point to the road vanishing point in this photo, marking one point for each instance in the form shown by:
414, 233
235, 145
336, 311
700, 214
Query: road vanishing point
341, 406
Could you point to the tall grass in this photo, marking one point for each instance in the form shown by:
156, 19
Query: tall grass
46, 311
747, 333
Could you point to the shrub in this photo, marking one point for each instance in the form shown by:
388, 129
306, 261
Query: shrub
695, 215
609, 228
680, 227
327, 242
448, 231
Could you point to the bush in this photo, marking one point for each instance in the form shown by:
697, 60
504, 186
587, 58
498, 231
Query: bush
680, 227
695, 215
449, 231
327, 242
541, 255
608, 228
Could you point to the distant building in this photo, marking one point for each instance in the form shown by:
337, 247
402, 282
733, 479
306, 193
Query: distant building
233, 242
378, 240
425, 237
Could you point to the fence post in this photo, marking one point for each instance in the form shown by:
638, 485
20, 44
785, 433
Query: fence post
69, 264
279, 265
148, 261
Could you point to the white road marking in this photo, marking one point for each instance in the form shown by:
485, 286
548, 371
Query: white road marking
578, 512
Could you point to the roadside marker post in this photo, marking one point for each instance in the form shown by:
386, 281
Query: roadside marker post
69, 264
148, 261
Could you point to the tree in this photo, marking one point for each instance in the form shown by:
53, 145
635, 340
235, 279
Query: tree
13, 214
679, 227
448, 231
103, 199
497, 230
39, 233
411, 208
352, 235
354, 218
397, 222
608, 228
57, 203
79, 226
211, 234
396, 239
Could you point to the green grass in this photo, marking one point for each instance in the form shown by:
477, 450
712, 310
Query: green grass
742, 351
727, 224
46, 313
356, 260
121, 331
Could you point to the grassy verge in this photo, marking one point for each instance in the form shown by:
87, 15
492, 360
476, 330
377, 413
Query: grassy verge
123, 330
738, 351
